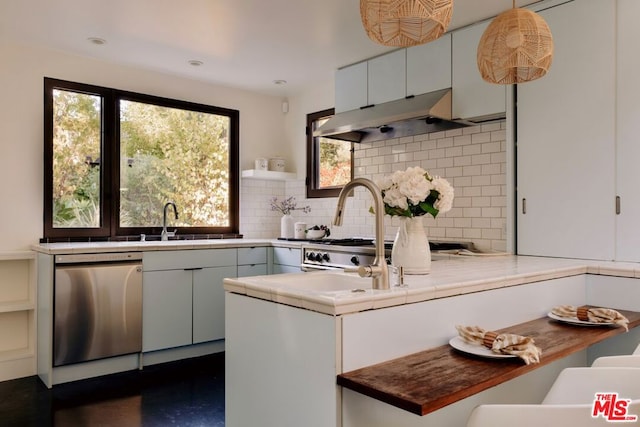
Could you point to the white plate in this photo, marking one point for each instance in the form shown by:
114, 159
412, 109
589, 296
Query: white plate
478, 350
576, 321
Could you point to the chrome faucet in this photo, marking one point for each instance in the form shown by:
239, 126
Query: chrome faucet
166, 234
378, 270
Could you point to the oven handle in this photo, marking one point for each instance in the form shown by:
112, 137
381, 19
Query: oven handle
309, 268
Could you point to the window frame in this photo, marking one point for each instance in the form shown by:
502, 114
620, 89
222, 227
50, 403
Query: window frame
110, 168
313, 159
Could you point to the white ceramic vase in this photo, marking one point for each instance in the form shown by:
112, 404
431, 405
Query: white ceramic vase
411, 247
286, 227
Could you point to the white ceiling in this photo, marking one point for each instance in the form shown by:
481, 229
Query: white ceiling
242, 43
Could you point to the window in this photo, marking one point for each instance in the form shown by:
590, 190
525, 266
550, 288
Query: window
329, 161
113, 159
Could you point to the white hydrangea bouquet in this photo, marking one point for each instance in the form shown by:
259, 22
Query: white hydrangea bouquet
414, 192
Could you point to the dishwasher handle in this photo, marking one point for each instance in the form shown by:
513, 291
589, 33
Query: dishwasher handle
99, 257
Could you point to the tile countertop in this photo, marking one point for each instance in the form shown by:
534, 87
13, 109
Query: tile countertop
138, 246
448, 277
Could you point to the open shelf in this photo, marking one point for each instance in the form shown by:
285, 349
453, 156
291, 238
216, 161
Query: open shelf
17, 313
270, 175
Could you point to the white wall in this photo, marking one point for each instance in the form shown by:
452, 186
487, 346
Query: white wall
319, 97
23, 68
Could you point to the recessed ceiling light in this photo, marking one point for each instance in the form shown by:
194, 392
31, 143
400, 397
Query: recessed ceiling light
280, 82
195, 62
97, 40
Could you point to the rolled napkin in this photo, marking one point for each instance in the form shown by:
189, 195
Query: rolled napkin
502, 343
592, 314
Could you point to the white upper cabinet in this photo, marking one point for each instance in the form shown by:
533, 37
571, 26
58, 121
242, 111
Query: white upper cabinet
395, 75
351, 87
473, 98
628, 132
378, 80
566, 139
387, 77
429, 66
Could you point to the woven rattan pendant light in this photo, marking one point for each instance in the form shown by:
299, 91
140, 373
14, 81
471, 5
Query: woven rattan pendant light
405, 23
516, 47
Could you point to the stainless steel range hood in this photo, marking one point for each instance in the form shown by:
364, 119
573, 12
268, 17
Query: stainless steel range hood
415, 115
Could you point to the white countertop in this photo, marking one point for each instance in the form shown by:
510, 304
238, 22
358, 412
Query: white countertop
448, 277
138, 246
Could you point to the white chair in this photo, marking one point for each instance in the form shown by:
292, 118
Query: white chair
542, 416
575, 386
629, 361
569, 402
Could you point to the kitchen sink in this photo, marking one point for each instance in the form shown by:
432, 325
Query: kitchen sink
320, 281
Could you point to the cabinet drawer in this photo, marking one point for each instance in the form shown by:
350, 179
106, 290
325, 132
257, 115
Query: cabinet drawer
248, 256
252, 270
287, 256
195, 258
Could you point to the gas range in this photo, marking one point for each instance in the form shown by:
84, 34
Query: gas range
333, 254
340, 254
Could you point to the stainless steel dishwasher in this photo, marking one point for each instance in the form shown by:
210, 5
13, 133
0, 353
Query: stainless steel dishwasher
97, 306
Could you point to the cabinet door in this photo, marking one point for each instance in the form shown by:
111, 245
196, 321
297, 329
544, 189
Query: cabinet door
254, 255
166, 309
287, 256
473, 98
429, 66
565, 139
351, 87
208, 303
628, 132
387, 77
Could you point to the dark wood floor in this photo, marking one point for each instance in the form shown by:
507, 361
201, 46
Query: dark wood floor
184, 393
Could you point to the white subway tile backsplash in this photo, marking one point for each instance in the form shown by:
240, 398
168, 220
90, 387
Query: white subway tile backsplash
445, 143
462, 161
453, 152
491, 190
481, 159
490, 127
462, 140
491, 147
470, 150
473, 159
447, 162
480, 138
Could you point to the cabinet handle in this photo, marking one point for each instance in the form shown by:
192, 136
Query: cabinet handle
617, 205
193, 269
524, 206
367, 106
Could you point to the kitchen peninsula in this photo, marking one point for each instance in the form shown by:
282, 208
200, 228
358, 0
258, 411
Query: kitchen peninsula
286, 342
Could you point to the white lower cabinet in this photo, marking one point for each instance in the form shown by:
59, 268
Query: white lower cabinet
252, 261
286, 260
183, 296
208, 303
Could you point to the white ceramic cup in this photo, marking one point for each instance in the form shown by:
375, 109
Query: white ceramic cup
276, 164
261, 164
299, 230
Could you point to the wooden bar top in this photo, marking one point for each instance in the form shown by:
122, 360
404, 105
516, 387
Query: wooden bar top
429, 380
